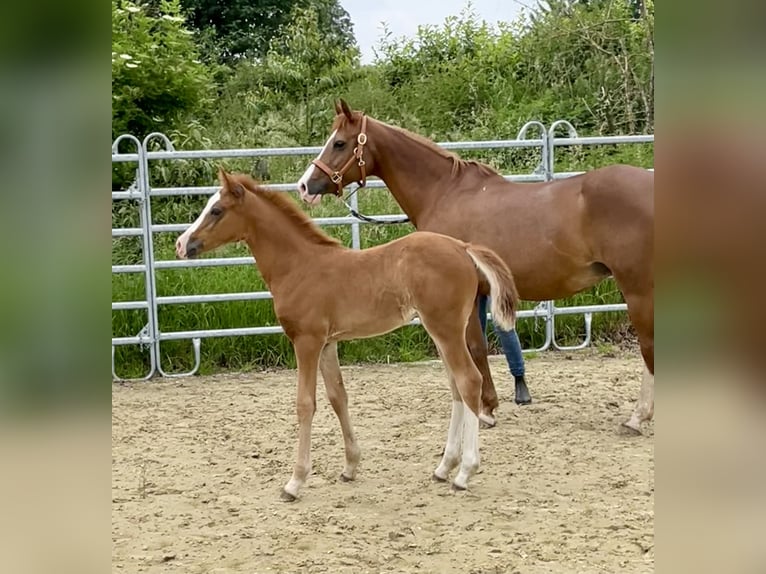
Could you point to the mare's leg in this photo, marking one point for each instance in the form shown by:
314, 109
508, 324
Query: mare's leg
468, 382
307, 351
336, 393
451, 457
641, 311
477, 346
509, 341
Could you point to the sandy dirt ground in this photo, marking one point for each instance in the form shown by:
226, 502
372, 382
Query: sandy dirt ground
198, 464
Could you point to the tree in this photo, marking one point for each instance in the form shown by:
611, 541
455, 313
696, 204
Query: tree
156, 74
304, 63
236, 29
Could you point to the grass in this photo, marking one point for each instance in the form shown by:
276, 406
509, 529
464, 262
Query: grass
242, 353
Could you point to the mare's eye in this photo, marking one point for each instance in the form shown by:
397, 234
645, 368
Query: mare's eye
216, 211
339, 144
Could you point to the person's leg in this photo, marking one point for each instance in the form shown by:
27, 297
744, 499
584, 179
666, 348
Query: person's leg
509, 340
483, 314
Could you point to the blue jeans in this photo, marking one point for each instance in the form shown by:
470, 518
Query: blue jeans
509, 340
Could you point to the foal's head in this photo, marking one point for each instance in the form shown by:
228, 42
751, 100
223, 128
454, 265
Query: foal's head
345, 157
221, 221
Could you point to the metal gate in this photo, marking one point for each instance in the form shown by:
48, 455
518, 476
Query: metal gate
139, 195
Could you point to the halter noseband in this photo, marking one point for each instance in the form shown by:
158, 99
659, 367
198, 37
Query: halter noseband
337, 176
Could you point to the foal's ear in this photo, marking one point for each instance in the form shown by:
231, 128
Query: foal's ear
229, 185
344, 109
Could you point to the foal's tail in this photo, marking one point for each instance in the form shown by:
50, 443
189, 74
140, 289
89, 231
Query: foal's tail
502, 288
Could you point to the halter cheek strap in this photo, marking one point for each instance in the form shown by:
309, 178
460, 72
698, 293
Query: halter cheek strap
336, 176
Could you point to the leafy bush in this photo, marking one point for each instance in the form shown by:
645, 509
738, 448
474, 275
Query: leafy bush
157, 77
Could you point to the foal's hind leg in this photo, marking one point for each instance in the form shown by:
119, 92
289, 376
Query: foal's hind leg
477, 346
336, 393
467, 382
451, 457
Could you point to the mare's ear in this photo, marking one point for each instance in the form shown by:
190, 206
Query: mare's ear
344, 109
230, 185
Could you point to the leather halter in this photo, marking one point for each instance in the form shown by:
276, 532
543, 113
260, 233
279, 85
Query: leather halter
336, 176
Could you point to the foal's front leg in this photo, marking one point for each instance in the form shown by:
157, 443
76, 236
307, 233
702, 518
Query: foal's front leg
336, 393
307, 351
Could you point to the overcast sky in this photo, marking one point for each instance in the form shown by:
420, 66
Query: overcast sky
404, 16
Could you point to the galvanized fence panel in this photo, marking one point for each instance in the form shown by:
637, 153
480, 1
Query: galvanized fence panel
142, 192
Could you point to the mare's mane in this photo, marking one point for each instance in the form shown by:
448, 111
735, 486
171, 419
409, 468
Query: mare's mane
288, 208
459, 165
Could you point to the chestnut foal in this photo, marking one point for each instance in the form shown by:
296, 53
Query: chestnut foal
324, 293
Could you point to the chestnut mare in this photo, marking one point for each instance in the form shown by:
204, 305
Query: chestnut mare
558, 237
325, 293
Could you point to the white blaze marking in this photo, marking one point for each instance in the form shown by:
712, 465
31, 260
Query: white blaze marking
182, 241
303, 182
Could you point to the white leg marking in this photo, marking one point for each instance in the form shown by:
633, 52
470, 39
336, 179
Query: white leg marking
644, 410
303, 182
183, 240
451, 456
470, 462
302, 468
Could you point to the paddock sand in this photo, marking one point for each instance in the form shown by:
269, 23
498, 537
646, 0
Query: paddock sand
198, 463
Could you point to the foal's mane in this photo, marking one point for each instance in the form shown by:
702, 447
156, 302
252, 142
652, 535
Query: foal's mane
459, 165
287, 207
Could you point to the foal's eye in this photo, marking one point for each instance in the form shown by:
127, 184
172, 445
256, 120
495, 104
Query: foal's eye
216, 211
339, 144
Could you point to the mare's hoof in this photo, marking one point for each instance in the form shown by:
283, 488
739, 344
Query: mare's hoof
486, 421
437, 478
523, 401
457, 488
287, 497
344, 478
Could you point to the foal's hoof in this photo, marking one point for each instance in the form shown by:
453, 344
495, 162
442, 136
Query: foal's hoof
287, 497
344, 478
457, 488
486, 421
437, 478
629, 428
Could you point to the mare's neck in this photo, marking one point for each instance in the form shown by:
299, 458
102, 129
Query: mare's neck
417, 175
279, 242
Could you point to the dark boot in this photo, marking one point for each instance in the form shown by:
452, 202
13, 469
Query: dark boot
522, 392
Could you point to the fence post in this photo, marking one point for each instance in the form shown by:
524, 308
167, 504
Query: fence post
545, 307
147, 334
356, 241
588, 317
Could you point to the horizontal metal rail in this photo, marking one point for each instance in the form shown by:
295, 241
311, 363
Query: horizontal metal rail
582, 309
276, 329
213, 298
314, 150
605, 140
129, 305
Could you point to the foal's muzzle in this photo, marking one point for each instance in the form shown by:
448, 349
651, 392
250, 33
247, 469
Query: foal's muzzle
193, 248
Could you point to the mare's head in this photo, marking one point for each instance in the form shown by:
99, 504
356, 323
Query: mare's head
345, 157
221, 221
